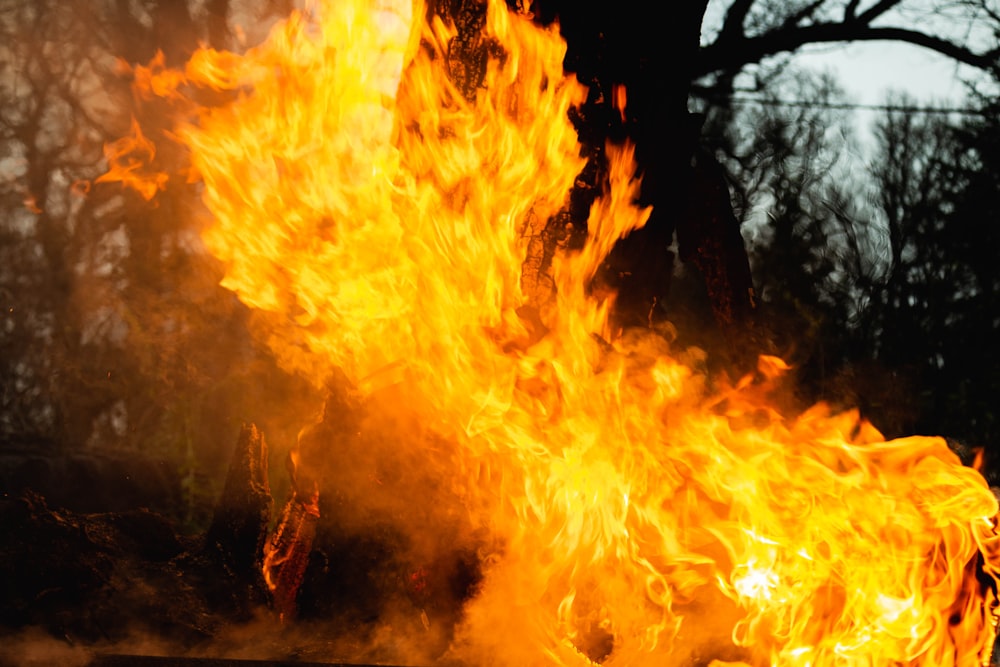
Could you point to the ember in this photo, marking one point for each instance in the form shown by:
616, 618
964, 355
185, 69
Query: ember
624, 510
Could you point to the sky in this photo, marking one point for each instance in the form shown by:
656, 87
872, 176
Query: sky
869, 69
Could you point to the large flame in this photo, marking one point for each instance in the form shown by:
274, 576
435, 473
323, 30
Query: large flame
379, 221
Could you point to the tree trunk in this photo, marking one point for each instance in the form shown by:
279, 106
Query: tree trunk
630, 46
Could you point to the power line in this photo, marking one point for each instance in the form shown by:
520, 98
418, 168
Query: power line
848, 106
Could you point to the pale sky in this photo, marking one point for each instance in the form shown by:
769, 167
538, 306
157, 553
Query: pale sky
867, 70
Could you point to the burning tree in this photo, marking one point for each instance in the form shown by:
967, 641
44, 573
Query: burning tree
376, 182
388, 190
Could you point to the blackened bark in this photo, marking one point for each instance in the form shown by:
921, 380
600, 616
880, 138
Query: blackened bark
708, 237
287, 556
629, 45
243, 513
288, 553
239, 525
468, 52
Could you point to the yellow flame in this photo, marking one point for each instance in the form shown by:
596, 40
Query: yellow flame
379, 221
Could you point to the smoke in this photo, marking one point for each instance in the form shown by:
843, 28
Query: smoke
116, 340
37, 648
426, 547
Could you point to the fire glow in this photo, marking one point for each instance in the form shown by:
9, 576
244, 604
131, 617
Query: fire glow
379, 223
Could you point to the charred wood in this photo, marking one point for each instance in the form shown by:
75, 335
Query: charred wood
287, 554
242, 516
97, 577
117, 581
690, 199
708, 237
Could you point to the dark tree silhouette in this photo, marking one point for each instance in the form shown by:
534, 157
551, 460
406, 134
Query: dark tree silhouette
753, 30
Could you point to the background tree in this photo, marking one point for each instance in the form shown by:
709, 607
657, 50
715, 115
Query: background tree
935, 312
877, 283
115, 334
790, 173
749, 32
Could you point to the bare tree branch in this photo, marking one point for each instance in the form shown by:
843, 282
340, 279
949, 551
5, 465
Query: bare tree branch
876, 10
804, 13
736, 18
732, 53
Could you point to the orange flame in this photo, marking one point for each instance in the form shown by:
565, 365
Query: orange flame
378, 221
128, 161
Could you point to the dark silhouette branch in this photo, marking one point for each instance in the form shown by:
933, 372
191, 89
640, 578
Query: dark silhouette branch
850, 11
734, 53
735, 19
806, 12
876, 10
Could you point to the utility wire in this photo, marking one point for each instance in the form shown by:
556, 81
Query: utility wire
847, 106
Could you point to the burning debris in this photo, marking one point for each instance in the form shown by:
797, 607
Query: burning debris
288, 552
375, 204
125, 588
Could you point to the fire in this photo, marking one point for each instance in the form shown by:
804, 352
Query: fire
378, 219
129, 157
